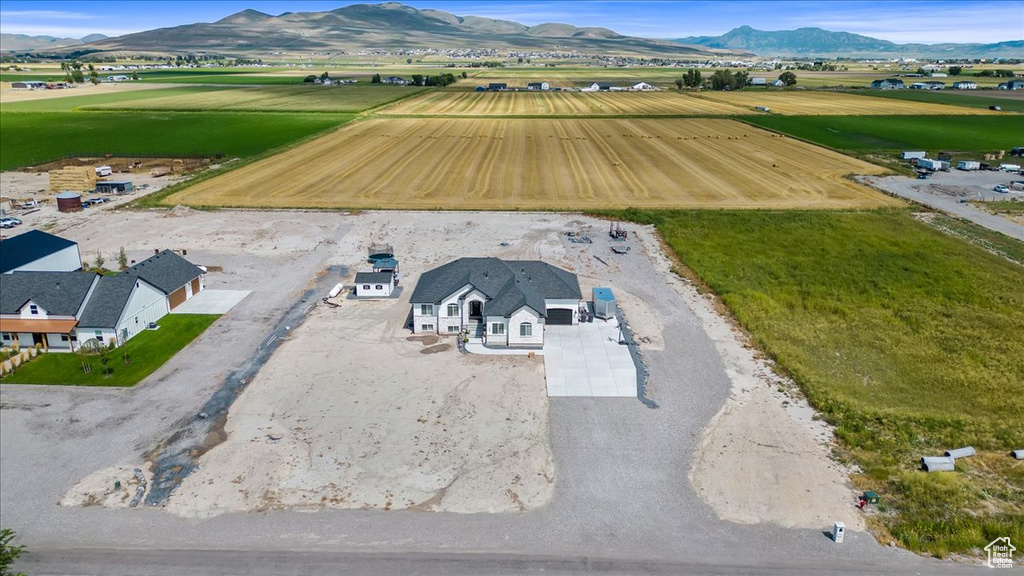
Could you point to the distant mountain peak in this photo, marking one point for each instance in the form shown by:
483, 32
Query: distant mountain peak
814, 41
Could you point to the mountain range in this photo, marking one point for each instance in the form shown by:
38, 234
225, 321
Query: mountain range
810, 42
393, 26
387, 26
25, 43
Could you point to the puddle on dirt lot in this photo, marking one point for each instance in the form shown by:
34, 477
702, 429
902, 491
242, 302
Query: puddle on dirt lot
174, 458
436, 349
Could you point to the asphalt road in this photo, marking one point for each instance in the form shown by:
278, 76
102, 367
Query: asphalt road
622, 501
980, 183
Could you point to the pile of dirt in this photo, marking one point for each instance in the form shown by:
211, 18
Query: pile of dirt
179, 211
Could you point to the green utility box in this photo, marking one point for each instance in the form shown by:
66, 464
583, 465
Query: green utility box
871, 497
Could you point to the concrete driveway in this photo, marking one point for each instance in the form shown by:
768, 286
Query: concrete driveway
211, 302
587, 360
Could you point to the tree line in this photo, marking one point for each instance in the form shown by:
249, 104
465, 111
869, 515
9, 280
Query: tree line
724, 79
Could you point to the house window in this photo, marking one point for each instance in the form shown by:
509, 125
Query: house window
453, 310
427, 310
65, 338
379, 287
99, 335
453, 329
33, 309
526, 329
8, 336
427, 327
497, 328
367, 286
136, 319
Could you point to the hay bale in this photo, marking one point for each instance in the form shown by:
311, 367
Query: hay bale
74, 178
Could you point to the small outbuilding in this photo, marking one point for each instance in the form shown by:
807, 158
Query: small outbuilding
116, 186
538, 86
374, 284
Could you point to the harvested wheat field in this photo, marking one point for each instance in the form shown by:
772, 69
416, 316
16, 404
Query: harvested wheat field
807, 103
529, 164
561, 104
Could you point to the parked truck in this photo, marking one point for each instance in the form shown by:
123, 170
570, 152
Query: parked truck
968, 165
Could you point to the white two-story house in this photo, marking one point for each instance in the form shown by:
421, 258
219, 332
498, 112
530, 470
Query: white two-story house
506, 302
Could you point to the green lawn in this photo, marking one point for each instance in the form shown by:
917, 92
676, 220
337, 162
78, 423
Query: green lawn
147, 351
947, 97
33, 138
908, 340
893, 133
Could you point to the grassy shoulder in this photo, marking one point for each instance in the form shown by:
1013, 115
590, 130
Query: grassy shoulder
147, 352
31, 138
906, 339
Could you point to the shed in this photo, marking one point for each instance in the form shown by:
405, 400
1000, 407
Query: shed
118, 186
604, 303
68, 201
374, 284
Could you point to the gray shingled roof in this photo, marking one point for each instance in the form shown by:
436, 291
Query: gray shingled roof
166, 270
59, 293
29, 247
508, 284
374, 277
107, 302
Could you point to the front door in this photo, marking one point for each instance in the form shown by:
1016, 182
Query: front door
476, 308
38, 338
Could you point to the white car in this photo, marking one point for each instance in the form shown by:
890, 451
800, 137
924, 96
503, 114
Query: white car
9, 222
1002, 189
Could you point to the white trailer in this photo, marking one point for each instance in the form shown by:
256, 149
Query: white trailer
1010, 167
103, 171
933, 164
912, 155
968, 165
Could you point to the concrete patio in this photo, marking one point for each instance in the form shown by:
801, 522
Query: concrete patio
587, 360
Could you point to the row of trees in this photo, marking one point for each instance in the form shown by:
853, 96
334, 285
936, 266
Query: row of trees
421, 80
725, 79
73, 72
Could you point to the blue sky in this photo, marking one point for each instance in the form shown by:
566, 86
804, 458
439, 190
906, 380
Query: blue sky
928, 21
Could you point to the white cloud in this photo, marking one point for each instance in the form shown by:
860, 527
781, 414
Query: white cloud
54, 14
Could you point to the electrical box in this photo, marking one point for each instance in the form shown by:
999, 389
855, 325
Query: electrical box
838, 532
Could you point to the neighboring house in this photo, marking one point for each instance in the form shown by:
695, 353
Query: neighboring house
394, 80
507, 301
43, 307
598, 87
758, 81
120, 78
642, 87
120, 307
778, 83
888, 84
374, 284
1012, 85
178, 279
964, 85
538, 86
38, 251
497, 86
928, 85
60, 310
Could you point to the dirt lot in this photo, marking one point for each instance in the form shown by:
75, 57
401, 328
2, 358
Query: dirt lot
545, 164
832, 103
560, 104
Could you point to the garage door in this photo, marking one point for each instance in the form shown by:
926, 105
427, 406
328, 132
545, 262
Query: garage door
176, 297
559, 316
